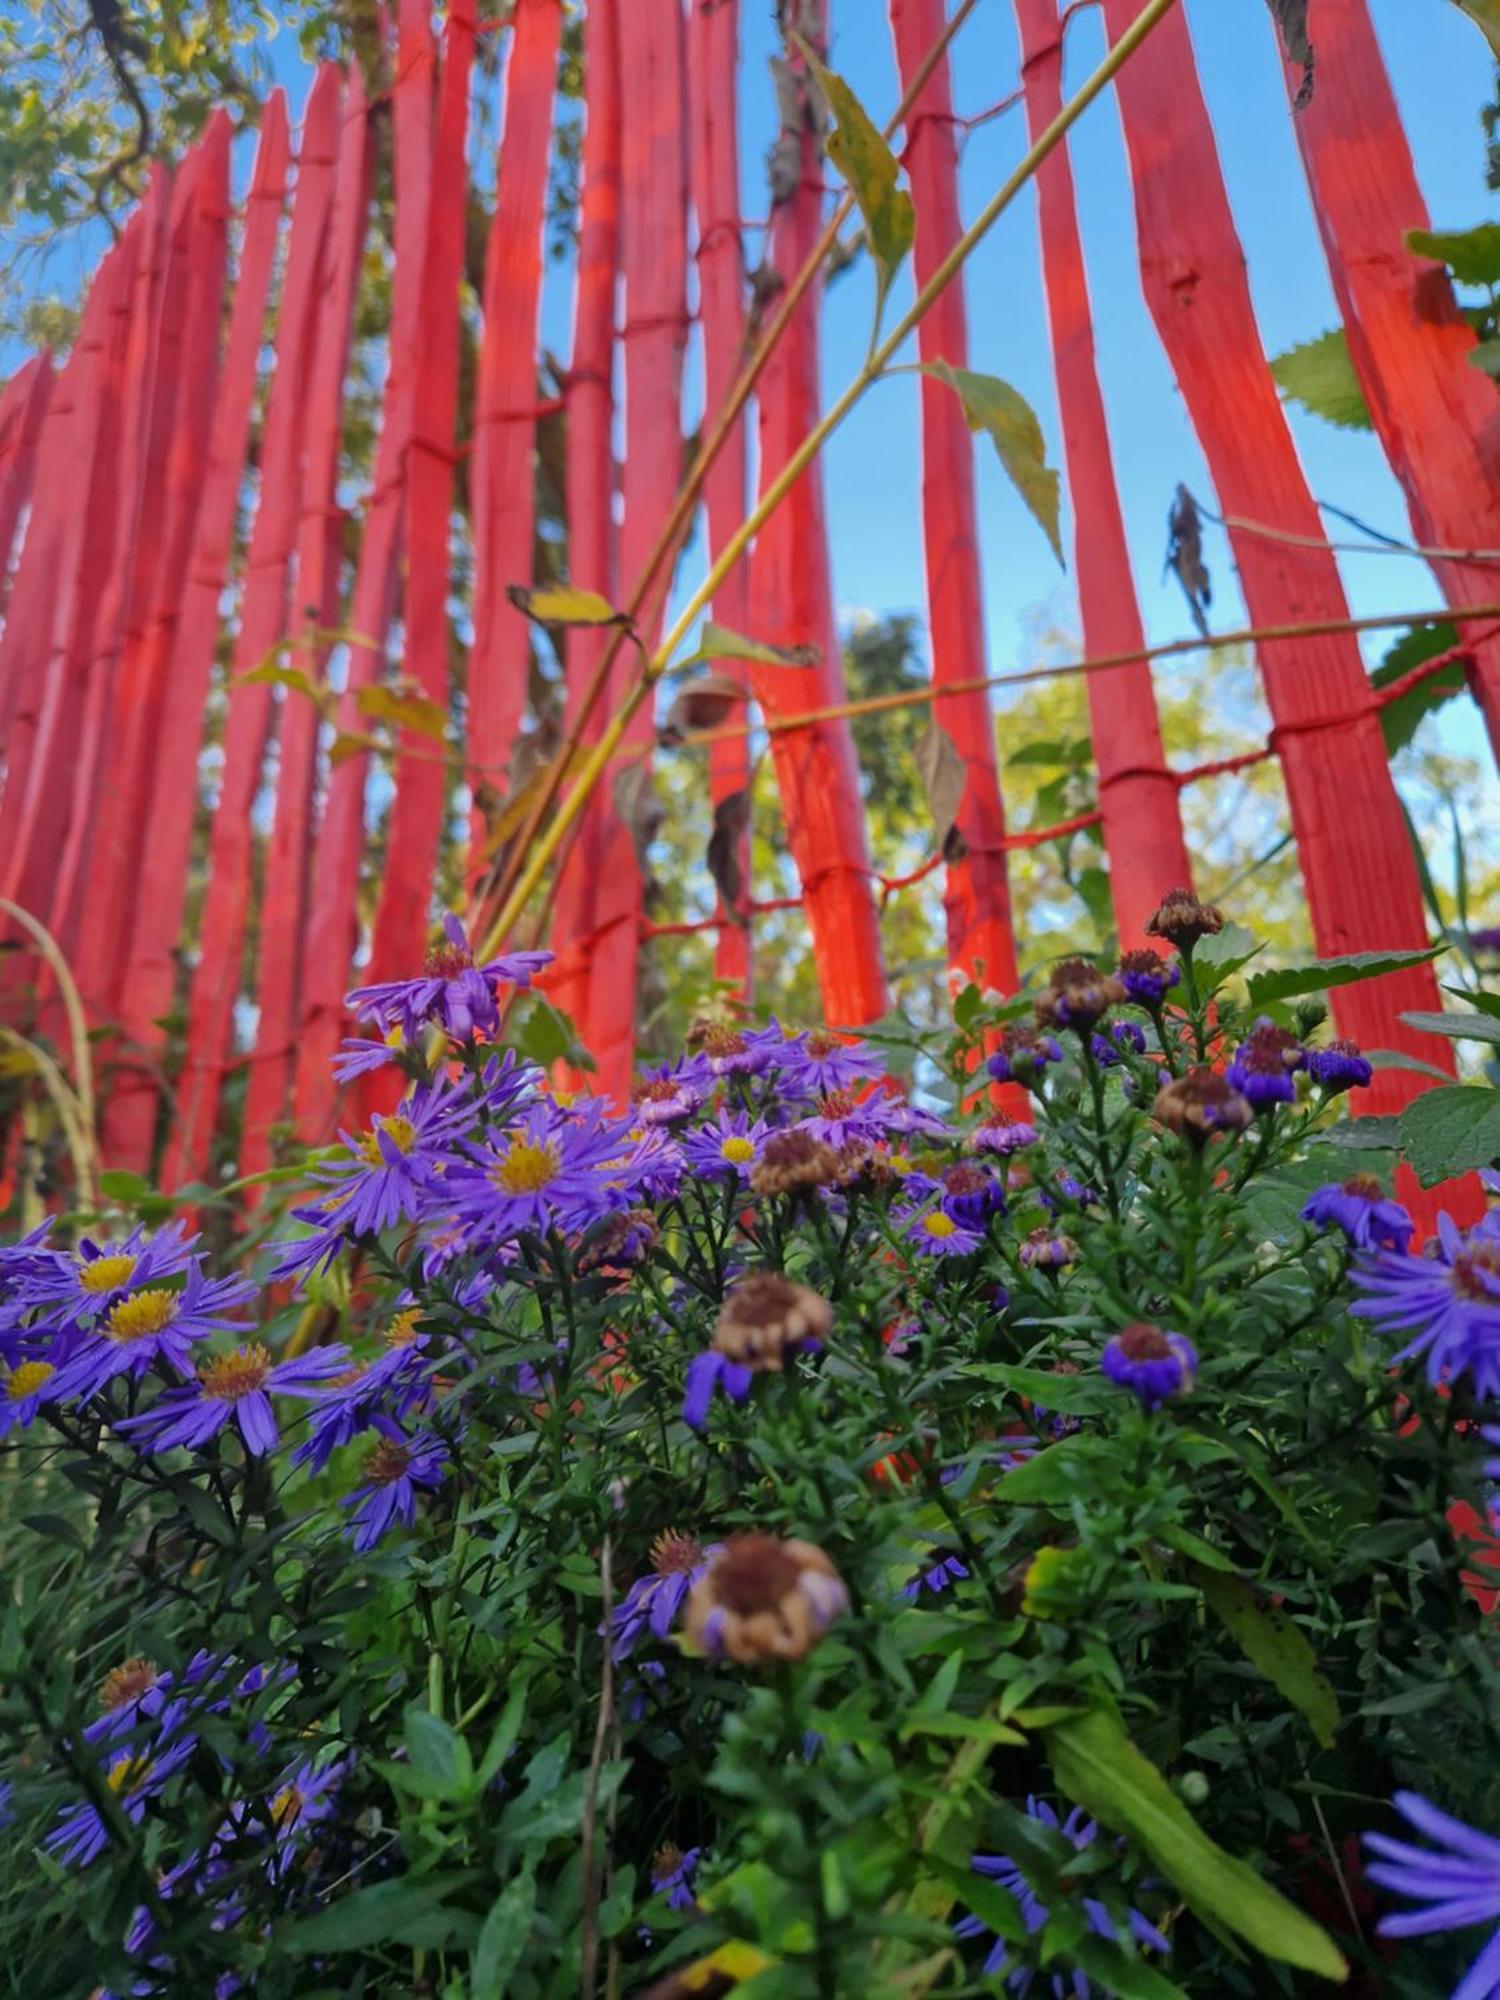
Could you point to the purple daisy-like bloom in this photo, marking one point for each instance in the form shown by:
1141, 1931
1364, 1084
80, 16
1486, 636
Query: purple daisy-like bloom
23, 1391
232, 1388
341, 1411
1261, 1077
1364, 1211
1147, 977
841, 1119
822, 1062
911, 1121
728, 1149
1154, 1365
1120, 1035
651, 1168
395, 1470
971, 1194
86, 1284
666, 1095
653, 1601
1449, 1303
1081, 1831
998, 1132
149, 1325
933, 1232
727, 1051
135, 1778
453, 992
1338, 1065
708, 1372
1455, 1882
672, 1872
934, 1577
552, 1168
359, 1056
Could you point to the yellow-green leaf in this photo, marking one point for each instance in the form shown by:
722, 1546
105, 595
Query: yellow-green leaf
561, 604
270, 673
1271, 1642
1099, 1768
993, 406
1485, 14
867, 163
346, 745
718, 642
405, 711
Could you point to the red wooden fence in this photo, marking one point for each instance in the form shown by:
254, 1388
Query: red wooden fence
127, 677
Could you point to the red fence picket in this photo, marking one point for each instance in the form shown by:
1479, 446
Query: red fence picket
23, 403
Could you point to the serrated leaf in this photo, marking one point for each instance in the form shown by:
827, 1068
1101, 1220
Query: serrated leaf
1457, 1027
1485, 14
1271, 1642
406, 711
872, 172
1319, 374
1472, 255
561, 604
1399, 719
1099, 1768
994, 407
1291, 981
1451, 1131
1227, 950
944, 776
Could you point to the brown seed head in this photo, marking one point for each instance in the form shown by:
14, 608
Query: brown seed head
765, 1318
1182, 920
762, 1600
126, 1683
791, 1162
1198, 1104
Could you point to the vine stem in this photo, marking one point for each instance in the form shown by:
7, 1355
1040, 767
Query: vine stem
599, 756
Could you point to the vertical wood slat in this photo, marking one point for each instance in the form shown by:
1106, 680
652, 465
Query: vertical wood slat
593, 541
1357, 863
792, 604
1137, 795
414, 838
713, 73
23, 404
1436, 415
151, 977
333, 902
976, 904
320, 542
263, 614
653, 219
504, 503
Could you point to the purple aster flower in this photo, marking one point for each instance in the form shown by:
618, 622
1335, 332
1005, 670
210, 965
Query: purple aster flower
1455, 1883
1147, 976
1338, 1065
394, 1470
727, 1149
908, 1120
819, 1063
150, 1325
1047, 1250
1364, 1211
727, 1051
1022, 1055
1155, 1365
654, 1600
1081, 1832
706, 1373
998, 1132
453, 991
1448, 1301
935, 1578
672, 1875
666, 1096
552, 1168
81, 1834
1121, 1035
971, 1194
841, 1119
933, 1232
359, 1056
23, 1391
1263, 1066
342, 1410
232, 1388
86, 1284
652, 1167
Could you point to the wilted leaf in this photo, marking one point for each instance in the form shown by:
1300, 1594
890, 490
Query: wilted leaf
726, 846
1185, 556
1271, 1642
405, 711
561, 604
346, 745
1451, 1131
270, 673
702, 704
993, 406
1099, 1768
638, 806
1319, 374
718, 642
871, 169
1289, 982
1472, 255
944, 776
1291, 18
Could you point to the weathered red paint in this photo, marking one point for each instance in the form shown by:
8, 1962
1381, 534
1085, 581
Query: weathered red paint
150, 983
713, 66
792, 604
1436, 415
23, 404
1137, 794
504, 502
981, 944
320, 537
263, 623
1356, 857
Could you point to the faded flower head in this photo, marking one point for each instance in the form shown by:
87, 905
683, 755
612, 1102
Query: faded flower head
762, 1599
998, 1132
1182, 920
1147, 976
1022, 1055
1047, 1250
1198, 1104
1154, 1364
766, 1319
792, 1163
1078, 995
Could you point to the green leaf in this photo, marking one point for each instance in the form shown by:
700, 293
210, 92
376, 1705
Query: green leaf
1472, 255
1271, 1642
1098, 1767
995, 1907
1118, 1971
385, 1913
1457, 1027
1485, 14
1399, 719
1486, 358
1055, 1476
503, 1741
438, 1753
1226, 951
1319, 374
1292, 980
502, 1939
1486, 1003
993, 406
872, 172
966, 1728
125, 1187
1451, 1131
1399, 1059
1186, 1543
547, 1035
561, 604
720, 642
1080, 1394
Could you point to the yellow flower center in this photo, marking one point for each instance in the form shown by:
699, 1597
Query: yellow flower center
127, 1683
126, 1773
395, 1037
738, 1150
526, 1168
286, 1807
400, 1131
25, 1380
141, 1315
939, 1224
402, 1330
231, 1376
107, 1274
